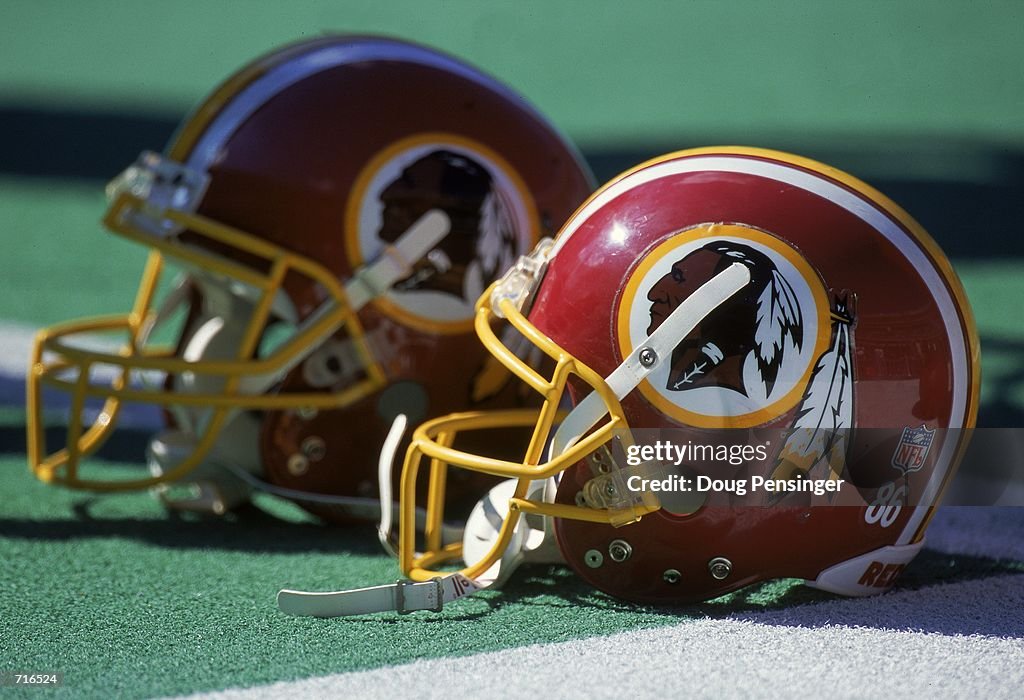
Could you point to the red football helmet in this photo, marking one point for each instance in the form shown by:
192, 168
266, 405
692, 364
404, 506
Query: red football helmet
730, 299
336, 206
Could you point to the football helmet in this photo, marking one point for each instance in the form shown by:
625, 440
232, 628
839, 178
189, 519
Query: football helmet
336, 207
730, 298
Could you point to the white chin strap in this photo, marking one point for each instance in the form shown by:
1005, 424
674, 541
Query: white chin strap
384, 467
528, 545
484, 524
649, 355
395, 262
533, 540
388, 507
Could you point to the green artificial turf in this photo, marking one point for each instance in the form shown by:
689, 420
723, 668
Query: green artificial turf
128, 601
118, 595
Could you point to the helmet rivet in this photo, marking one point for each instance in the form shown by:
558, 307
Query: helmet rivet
620, 550
609, 489
719, 568
298, 465
581, 499
648, 357
671, 576
314, 448
593, 558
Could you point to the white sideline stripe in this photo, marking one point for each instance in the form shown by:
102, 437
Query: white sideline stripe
720, 658
15, 346
982, 531
943, 639
16, 341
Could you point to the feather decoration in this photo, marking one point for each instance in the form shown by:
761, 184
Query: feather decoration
778, 317
822, 426
496, 244
495, 253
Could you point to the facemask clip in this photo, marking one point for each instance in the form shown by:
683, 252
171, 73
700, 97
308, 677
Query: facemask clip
521, 281
163, 185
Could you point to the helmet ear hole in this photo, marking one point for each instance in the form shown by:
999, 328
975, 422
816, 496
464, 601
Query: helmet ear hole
329, 364
683, 502
408, 398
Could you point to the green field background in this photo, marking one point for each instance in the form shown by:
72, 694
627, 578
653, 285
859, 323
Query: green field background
924, 100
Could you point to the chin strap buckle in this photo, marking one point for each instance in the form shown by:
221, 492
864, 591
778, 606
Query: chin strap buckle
403, 597
397, 260
400, 586
520, 282
160, 185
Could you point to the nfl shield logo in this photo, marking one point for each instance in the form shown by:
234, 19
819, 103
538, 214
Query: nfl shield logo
913, 449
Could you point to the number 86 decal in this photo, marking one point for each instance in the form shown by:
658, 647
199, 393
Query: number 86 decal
887, 505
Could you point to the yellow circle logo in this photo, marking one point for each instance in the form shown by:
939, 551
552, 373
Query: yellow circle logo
493, 222
750, 359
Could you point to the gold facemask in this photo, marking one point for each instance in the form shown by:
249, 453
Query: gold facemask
153, 202
585, 433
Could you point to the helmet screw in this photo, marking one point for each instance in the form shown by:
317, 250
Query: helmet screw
648, 357
581, 499
719, 568
671, 576
593, 558
314, 448
620, 550
298, 465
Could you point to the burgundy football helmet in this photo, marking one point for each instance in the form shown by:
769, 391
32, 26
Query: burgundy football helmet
336, 207
748, 300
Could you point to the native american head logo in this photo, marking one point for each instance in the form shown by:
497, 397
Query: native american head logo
780, 347
753, 358
491, 217
761, 322
482, 241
